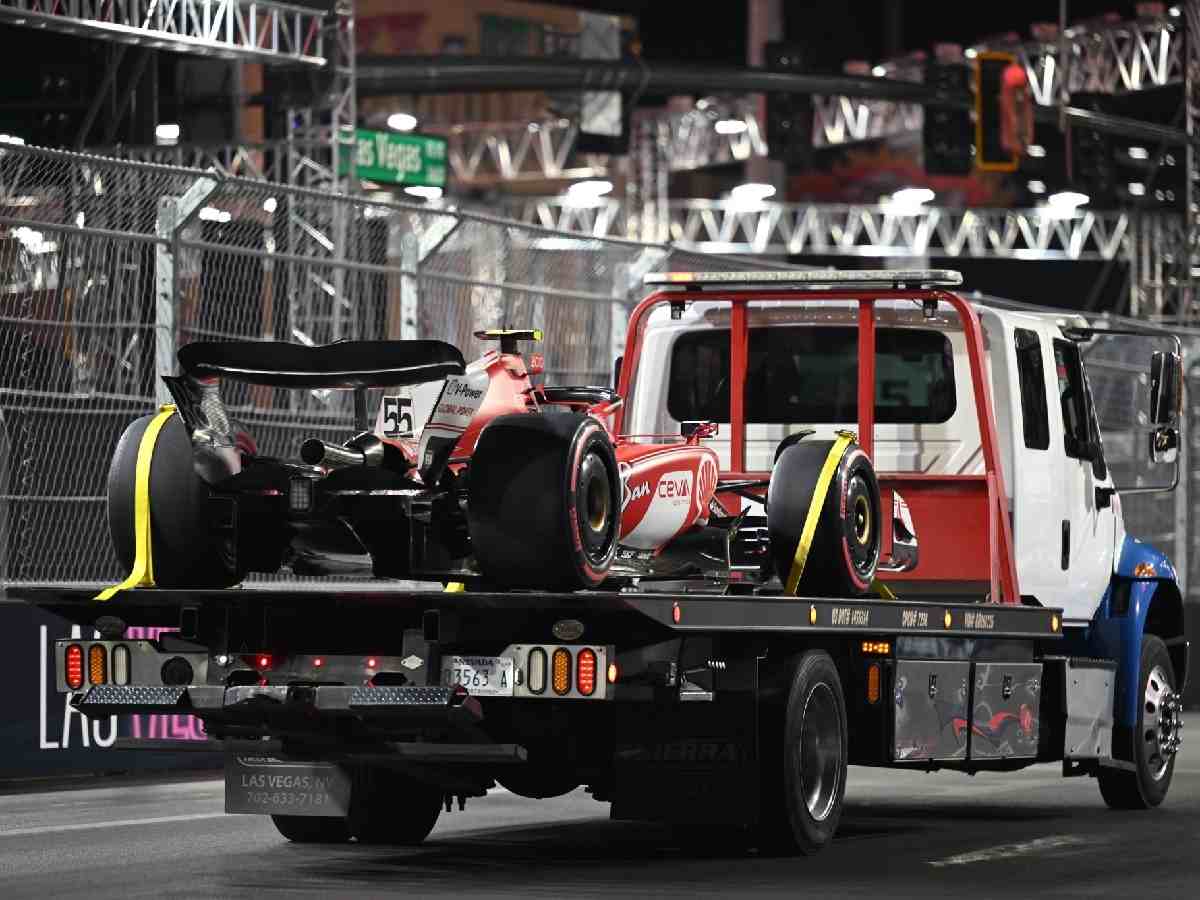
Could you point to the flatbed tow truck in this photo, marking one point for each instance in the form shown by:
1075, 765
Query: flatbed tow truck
1029, 628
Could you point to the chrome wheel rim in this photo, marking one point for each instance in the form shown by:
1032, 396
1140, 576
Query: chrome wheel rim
820, 752
1162, 729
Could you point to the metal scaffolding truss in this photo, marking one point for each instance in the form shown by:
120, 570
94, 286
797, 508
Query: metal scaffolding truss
1119, 58
483, 153
853, 230
261, 30
1126, 56
262, 162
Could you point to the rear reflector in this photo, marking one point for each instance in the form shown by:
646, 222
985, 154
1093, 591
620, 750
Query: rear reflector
73, 665
97, 664
873, 683
585, 672
536, 664
561, 677
120, 664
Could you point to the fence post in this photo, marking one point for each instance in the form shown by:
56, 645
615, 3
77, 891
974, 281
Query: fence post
174, 214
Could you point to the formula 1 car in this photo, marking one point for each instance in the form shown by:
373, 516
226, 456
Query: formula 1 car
508, 484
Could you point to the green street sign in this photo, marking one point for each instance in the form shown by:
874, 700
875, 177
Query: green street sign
391, 158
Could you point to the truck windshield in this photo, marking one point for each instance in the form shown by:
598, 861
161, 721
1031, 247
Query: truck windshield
809, 374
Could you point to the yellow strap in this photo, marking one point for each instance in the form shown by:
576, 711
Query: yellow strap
142, 574
882, 590
454, 587
845, 438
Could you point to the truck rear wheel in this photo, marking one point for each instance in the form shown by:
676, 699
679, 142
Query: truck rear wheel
185, 553
390, 808
1155, 739
313, 829
544, 506
844, 552
803, 794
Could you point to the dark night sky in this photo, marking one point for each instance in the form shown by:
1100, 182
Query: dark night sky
836, 29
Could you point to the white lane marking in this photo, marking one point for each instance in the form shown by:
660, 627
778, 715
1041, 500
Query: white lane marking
84, 826
1006, 851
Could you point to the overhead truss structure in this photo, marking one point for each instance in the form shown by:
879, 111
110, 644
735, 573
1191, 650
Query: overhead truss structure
856, 230
259, 30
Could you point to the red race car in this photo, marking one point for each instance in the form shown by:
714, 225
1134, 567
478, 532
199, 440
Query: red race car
508, 484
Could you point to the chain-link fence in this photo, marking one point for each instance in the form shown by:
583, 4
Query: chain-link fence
107, 266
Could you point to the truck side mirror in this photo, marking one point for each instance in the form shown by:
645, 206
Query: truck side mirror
1166, 387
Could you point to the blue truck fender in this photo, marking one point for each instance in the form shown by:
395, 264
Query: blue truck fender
1142, 598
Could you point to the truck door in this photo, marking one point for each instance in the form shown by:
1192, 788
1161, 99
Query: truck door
1034, 479
1088, 524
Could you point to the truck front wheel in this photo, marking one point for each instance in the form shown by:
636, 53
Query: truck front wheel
802, 800
1155, 739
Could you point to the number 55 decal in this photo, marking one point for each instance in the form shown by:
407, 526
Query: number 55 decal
395, 417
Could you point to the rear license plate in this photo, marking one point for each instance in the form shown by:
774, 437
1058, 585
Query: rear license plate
270, 786
483, 676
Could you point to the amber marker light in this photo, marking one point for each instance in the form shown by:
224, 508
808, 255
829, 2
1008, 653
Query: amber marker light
612, 673
560, 675
873, 683
947, 619
97, 664
876, 648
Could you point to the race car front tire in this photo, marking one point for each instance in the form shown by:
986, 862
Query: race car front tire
844, 552
184, 549
544, 503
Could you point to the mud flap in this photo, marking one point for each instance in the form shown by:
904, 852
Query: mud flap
267, 785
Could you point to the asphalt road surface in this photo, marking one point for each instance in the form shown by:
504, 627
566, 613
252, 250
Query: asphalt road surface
903, 835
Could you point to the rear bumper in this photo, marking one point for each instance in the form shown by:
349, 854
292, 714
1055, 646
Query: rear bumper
252, 705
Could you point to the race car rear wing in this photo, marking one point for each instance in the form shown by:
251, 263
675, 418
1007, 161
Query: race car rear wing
347, 365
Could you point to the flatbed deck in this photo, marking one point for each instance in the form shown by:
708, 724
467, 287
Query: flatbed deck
678, 612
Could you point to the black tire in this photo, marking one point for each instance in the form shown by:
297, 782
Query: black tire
844, 553
804, 783
1147, 785
313, 829
185, 551
390, 808
544, 507
537, 782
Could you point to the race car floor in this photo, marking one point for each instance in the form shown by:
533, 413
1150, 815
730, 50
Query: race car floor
903, 835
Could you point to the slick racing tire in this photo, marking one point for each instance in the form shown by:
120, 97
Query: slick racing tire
313, 829
1158, 728
388, 807
184, 550
544, 505
805, 760
844, 552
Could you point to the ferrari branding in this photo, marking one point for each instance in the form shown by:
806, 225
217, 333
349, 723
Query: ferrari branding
979, 620
914, 618
848, 615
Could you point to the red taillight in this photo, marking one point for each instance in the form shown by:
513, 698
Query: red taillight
318, 662
372, 662
74, 667
264, 660
585, 672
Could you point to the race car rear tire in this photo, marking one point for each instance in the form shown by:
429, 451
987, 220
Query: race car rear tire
313, 829
184, 550
544, 504
844, 552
